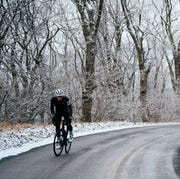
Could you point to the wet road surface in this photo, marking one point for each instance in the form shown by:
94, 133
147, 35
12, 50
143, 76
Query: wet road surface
136, 153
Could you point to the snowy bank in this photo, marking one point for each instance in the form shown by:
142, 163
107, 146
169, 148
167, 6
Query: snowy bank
15, 141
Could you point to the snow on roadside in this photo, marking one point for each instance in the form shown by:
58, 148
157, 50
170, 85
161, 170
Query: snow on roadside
14, 142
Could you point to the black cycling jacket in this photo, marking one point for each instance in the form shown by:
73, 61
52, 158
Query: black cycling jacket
61, 108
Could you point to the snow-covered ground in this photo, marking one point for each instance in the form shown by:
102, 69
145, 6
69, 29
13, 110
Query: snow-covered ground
13, 142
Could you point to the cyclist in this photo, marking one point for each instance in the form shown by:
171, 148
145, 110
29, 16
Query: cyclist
61, 107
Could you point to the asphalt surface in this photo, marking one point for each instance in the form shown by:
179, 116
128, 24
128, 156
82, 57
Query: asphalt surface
136, 153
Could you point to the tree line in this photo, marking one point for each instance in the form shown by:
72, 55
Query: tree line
116, 60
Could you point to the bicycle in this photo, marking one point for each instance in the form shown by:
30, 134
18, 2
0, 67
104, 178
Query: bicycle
62, 140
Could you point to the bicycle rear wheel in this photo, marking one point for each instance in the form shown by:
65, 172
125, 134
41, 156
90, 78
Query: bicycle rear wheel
58, 144
67, 146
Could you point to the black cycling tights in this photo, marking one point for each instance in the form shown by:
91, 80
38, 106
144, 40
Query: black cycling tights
68, 122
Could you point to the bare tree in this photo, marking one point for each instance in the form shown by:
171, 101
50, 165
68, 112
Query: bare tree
168, 24
138, 36
28, 36
90, 12
175, 44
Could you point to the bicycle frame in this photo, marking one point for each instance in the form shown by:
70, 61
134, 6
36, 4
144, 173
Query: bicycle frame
64, 130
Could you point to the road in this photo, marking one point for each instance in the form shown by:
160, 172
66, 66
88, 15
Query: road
136, 153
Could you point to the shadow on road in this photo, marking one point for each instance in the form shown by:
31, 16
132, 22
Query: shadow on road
176, 162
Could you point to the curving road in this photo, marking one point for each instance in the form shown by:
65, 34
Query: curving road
136, 153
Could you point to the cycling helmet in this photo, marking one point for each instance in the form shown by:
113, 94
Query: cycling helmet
59, 92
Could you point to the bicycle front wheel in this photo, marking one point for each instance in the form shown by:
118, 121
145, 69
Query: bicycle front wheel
58, 144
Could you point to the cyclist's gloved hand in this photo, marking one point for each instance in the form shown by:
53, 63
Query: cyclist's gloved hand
70, 118
53, 119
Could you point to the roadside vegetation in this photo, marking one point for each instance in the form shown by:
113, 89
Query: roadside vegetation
116, 60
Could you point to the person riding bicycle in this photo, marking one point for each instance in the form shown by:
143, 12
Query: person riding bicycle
61, 107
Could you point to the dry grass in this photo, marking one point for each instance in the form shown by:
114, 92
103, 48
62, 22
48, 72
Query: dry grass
6, 125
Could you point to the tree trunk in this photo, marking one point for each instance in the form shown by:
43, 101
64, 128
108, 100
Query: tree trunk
177, 82
90, 18
89, 82
143, 95
177, 69
144, 71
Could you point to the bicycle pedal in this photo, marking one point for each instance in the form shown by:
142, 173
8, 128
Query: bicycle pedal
70, 140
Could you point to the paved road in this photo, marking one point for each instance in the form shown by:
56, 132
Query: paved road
137, 153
